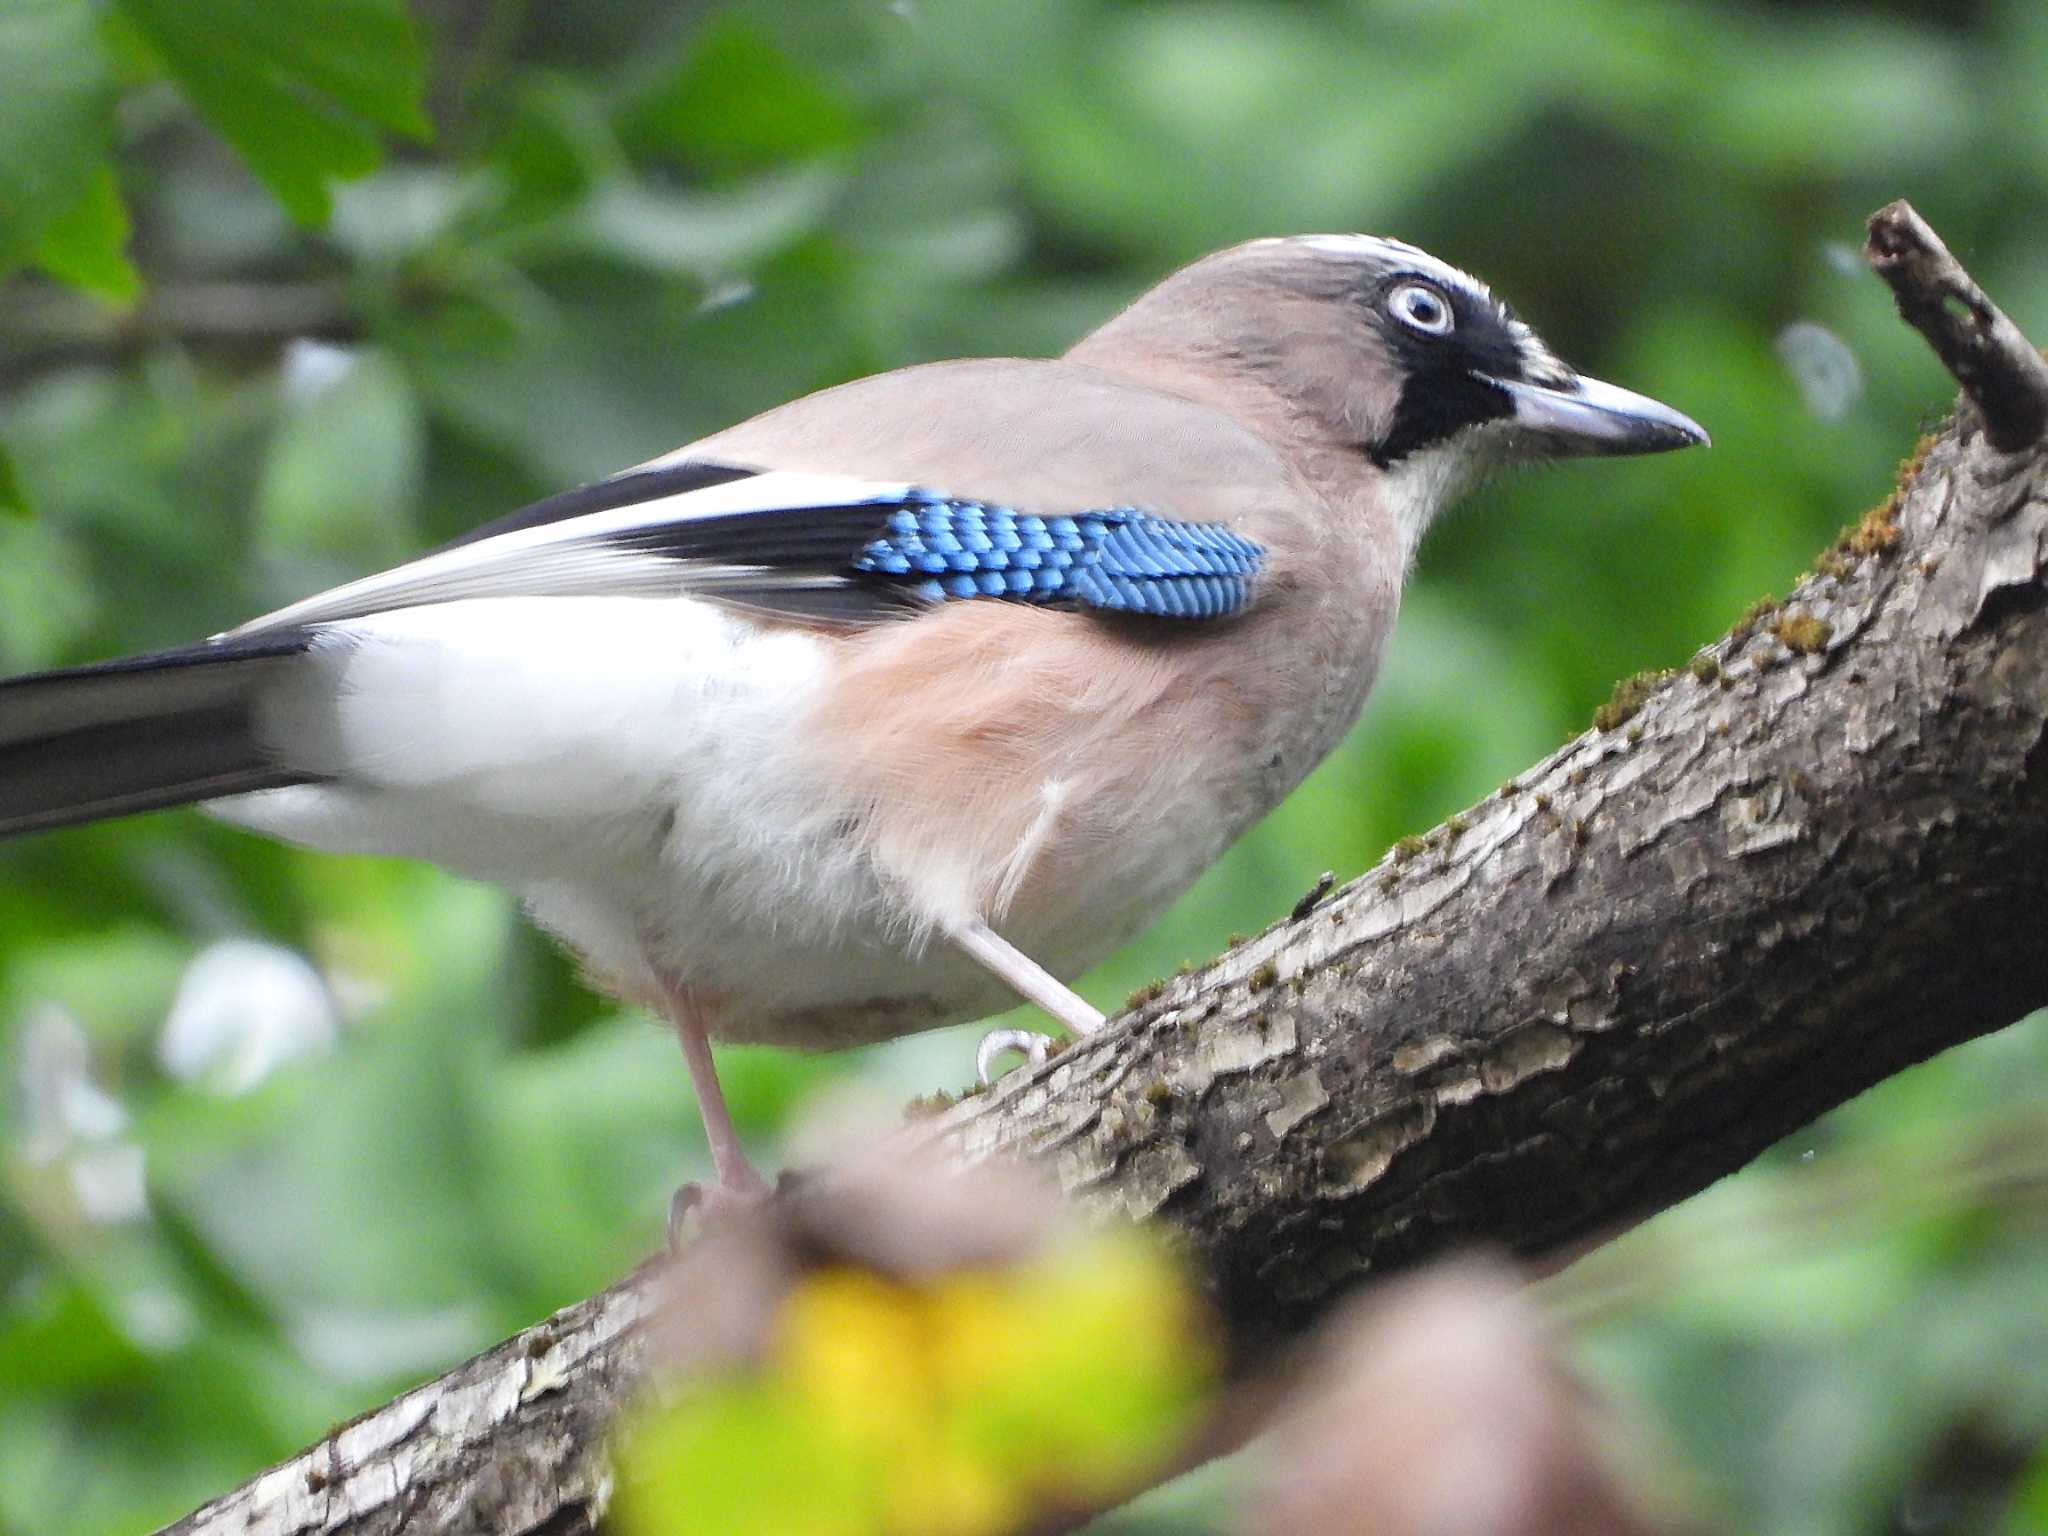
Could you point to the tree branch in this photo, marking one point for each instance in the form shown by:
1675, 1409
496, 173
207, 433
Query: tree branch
43, 323
2001, 373
1758, 886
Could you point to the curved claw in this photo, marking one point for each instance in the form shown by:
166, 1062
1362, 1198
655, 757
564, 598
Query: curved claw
685, 1200
708, 1203
1033, 1045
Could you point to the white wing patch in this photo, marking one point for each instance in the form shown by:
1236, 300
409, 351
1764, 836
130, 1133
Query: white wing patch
573, 557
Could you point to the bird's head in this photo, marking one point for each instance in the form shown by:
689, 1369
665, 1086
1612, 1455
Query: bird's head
1382, 352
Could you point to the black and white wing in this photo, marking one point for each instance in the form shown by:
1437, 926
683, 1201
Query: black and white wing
817, 547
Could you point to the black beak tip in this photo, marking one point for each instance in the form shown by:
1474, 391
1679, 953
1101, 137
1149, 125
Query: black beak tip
1689, 435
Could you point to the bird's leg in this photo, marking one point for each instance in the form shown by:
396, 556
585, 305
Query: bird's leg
1031, 981
738, 1183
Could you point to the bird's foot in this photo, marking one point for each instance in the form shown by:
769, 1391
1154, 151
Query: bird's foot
711, 1202
1035, 1048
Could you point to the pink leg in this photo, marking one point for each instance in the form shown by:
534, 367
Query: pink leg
737, 1181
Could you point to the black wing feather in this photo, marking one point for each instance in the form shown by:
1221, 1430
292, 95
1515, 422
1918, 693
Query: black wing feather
620, 490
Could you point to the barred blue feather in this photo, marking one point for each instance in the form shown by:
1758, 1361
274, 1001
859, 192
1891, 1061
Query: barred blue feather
1119, 560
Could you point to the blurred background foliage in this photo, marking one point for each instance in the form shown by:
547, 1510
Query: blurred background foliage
298, 286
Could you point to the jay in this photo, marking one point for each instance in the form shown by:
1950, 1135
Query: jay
893, 704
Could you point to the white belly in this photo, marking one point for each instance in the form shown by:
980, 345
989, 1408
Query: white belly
638, 769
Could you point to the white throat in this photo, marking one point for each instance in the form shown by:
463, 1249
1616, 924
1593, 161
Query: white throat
1420, 486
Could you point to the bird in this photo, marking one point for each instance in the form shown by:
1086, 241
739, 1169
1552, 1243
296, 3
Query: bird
894, 704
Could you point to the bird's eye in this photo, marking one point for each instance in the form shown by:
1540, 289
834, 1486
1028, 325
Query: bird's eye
1421, 308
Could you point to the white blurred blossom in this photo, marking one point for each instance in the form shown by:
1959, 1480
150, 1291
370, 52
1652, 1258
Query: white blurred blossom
61, 1104
311, 368
69, 1122
242, 1010
1823, 368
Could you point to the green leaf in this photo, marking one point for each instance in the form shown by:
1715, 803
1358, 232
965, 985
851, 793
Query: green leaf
739, 103
2029, 1511
63, 1337
12, 502
56, 103
298, 86
700, 232
86, 245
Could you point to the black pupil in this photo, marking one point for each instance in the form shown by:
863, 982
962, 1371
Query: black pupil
1423, 308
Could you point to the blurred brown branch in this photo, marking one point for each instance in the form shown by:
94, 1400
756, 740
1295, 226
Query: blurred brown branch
1811, 859
43, 324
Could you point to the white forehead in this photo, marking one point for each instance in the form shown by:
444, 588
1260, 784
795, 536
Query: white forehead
1382, 250
1375, 251
1382, 247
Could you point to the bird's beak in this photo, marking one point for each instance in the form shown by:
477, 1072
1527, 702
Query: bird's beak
1586, 416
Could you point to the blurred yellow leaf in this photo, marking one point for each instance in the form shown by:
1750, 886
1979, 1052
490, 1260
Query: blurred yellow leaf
857, 1347
949, 1409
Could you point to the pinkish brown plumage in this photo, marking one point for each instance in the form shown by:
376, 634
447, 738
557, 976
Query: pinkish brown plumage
899, 701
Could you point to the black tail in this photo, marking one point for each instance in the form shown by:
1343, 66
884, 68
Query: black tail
139, 734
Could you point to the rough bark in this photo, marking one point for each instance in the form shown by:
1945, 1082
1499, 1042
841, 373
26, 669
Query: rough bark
1758, 886
503, 1443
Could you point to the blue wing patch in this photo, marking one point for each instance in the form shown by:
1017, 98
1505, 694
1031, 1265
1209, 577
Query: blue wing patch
1120, 560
